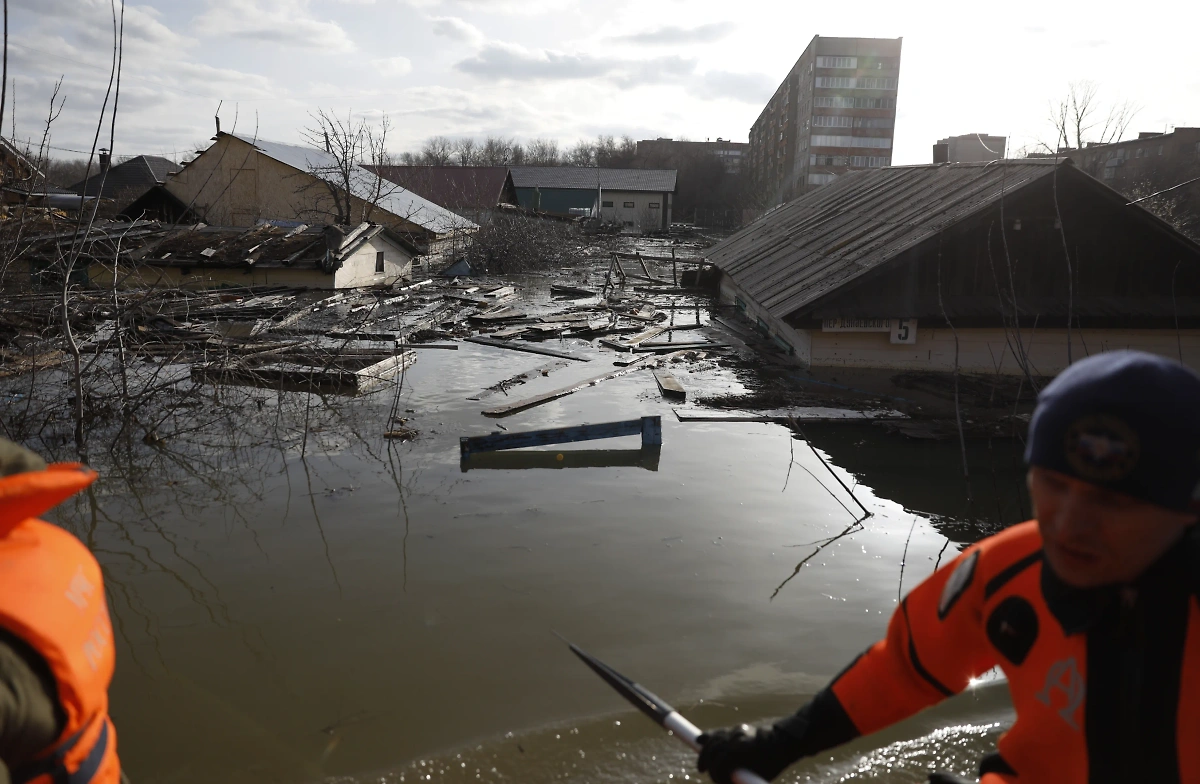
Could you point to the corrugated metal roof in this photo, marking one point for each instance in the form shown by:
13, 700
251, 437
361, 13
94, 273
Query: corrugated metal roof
363, 184
805, 249
584, 178
453, 187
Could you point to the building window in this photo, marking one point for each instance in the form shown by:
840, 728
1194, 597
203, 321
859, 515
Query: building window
379, 261
606, 204
654, 205
876, 83
833, 121
741, 304
848, 102
628, 205
874, 122
870, 161
851, 141
1109, 172
859, 83
837, 62
762, 326
827, 160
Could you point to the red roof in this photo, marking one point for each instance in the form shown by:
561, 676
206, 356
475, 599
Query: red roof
454, 187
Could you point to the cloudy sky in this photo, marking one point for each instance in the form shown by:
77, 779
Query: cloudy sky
565, 68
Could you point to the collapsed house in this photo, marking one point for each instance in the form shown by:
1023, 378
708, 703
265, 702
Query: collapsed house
984, 267
240, 181
149, 254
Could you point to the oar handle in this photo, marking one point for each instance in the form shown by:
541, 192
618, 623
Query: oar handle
690, 734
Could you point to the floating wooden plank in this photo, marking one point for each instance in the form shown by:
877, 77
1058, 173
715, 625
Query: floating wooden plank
649, 427
503, 291
636, 340
486, 341
503, 386
702, 346
633, 359
503, 313
559, 317
571, 292
509, 332
472, 300
521, 405
646, 458
669, 386
803, 414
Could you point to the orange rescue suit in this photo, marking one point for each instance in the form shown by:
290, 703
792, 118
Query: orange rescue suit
1106, 684
52, 597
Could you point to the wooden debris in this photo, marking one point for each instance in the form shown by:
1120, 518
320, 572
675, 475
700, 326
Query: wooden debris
546, 397
703, 345
485, 341
668, 386
571, 292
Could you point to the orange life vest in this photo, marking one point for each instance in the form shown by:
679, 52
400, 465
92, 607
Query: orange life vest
52, 598
1107, 692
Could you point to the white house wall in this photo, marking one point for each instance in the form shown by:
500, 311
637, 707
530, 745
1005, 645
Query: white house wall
640, 215
991, 350
359, 269
980, 350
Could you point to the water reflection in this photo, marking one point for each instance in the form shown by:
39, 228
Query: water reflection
298, 597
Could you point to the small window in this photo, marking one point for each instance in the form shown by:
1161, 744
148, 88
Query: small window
741, 304
606, 204
763, 326
654, 205
379, 261
629, 205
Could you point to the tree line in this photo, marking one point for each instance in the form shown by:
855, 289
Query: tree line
605, 151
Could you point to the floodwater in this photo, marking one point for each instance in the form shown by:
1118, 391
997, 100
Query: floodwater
375, 613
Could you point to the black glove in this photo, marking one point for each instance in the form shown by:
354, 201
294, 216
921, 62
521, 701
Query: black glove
756, 749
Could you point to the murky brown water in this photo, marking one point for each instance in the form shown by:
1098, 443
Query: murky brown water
375, 613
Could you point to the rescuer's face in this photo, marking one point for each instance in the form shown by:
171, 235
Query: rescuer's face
1094, 537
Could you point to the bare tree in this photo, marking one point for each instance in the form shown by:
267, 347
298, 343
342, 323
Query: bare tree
349, 143
1078, 119
466, 150
437, 151
543, 152
582, 154
496, 151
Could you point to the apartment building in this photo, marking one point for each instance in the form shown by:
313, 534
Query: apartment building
835, 112
969, 148
662, 151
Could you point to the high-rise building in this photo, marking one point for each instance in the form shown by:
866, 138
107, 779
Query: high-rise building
835, 111
969, 148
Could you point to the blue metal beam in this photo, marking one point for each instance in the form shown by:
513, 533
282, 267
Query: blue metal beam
650, 428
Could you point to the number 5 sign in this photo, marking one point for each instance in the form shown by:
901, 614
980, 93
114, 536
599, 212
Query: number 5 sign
904, 331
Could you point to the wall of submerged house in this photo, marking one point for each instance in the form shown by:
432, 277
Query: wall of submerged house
1001, 279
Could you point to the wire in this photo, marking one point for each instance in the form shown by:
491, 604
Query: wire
1164, 190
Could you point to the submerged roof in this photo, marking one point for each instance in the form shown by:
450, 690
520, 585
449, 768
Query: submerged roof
806, 248
588, 178
265, 245
141, 172
364, 184
453, 187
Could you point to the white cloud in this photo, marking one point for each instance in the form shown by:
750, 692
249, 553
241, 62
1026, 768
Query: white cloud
392, 66
498, 61
674, 35
456, 29
282, 22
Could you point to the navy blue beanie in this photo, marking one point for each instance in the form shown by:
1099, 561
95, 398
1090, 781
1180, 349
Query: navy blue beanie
1123, 420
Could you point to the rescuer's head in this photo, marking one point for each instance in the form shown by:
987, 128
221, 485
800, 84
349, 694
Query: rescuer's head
1114, 465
